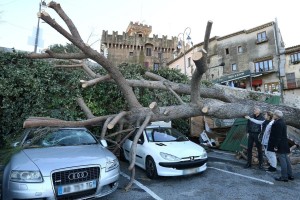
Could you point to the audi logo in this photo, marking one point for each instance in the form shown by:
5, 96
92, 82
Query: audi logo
77, 175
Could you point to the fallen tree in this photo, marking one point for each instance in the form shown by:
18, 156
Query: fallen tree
212, 101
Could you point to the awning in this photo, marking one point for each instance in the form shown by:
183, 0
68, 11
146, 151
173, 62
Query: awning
257, 82
234, 76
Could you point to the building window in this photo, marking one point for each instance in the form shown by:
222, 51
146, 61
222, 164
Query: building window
130, 53
295, 58
290, 80
266, 65
148, 51
271, 87
156, 66
261, 37
233, 67
189, 62
226, 51
239, 49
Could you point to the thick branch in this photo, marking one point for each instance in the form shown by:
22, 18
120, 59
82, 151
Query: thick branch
84, 108
56, 55
104, 128
96, 56
85, 84
61, 123
69, 66
89, 71
135, 140
154, 107
201, 67
167, 84
55, 6
112, 124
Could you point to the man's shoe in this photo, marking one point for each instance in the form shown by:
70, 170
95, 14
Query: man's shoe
271, 169
291, 178
281, 179
248, 165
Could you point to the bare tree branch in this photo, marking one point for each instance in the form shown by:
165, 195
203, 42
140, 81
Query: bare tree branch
84, 108
112, 124
135, 140
56, 55
201, 67
104, 128
69, 66
85, 84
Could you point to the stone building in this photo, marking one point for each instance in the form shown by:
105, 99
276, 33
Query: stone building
291, 83
136, 46
252, 59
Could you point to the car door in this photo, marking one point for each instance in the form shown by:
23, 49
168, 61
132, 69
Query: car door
127, 147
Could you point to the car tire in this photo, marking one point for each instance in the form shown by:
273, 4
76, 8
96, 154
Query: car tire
151, 170
122, 155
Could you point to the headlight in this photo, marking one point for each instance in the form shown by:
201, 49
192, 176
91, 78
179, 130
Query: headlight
204, 155
26, 176
112, 164
169, 157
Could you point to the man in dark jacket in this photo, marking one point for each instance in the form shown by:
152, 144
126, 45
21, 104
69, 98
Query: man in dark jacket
278, 143
253, 131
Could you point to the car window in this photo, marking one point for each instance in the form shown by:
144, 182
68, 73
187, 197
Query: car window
162, 134
59, 137
134, 134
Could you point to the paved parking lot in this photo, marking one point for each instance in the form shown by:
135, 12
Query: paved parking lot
224, 179
220, 181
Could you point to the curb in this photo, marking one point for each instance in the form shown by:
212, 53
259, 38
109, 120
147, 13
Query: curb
219, 156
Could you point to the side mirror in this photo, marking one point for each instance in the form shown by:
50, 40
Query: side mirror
140, 141
104, 143
15, 144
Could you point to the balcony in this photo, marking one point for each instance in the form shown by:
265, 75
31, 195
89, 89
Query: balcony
291, 84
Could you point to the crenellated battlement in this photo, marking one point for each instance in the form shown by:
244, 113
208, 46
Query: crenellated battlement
137, 40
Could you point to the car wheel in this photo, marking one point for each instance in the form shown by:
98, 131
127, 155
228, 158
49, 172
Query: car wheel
122, 156
151, 170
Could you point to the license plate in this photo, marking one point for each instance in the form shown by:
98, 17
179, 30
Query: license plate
191, 171
66, 189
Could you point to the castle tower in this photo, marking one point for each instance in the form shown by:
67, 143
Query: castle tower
137, 47
138, 29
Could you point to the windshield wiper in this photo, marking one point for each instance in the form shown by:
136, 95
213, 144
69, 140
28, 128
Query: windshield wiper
88, 143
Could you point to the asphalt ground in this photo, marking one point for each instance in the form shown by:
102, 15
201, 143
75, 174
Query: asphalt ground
225, 178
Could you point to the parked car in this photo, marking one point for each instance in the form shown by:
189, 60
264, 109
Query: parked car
164, 151
60, 163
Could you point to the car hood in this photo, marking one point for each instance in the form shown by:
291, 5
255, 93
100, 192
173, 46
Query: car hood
53, 158
179, 149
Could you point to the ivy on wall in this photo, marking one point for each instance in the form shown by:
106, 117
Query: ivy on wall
35, 88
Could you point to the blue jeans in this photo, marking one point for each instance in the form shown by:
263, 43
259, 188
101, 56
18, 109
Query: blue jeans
285, 163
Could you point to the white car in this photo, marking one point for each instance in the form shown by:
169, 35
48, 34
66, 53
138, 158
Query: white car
164, 151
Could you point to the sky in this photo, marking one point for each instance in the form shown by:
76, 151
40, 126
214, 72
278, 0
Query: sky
18, 19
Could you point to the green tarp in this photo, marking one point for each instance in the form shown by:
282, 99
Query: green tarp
237, 134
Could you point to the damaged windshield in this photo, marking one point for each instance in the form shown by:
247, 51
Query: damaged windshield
164, 135
58, 137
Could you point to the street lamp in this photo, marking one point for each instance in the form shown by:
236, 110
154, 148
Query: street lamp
42, 3
186, 32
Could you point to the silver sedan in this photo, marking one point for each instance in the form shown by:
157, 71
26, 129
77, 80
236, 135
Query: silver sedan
60, 163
